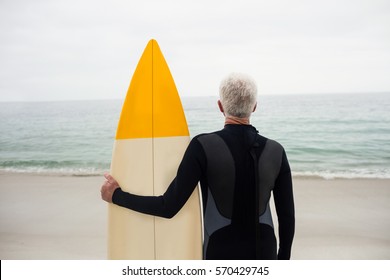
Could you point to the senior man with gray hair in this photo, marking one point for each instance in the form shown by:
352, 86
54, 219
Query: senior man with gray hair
237, 169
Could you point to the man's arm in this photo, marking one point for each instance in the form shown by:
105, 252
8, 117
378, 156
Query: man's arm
284, 204
178, 192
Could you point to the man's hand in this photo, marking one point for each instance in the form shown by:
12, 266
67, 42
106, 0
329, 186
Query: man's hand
108, 188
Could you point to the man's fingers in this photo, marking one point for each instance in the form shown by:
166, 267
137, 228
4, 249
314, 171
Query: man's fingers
109, 178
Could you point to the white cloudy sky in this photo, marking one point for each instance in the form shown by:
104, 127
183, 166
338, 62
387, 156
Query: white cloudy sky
88, 49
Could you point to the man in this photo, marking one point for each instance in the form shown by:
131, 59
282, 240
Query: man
237, 169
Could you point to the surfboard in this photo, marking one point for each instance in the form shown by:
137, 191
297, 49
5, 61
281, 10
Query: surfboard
150, 141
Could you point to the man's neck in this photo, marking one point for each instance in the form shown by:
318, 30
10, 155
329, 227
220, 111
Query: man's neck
236, 120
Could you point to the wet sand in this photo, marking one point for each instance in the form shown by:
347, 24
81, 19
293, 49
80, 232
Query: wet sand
63, 218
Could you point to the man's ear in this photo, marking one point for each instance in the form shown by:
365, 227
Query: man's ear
221, 107
254, 109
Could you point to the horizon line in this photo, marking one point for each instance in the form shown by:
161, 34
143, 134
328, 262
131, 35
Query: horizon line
191, 96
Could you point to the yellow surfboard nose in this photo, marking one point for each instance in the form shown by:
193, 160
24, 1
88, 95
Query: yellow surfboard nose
152, 107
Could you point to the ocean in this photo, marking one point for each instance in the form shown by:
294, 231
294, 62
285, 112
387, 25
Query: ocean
328, 136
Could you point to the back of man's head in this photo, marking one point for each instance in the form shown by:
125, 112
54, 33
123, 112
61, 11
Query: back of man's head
238, 95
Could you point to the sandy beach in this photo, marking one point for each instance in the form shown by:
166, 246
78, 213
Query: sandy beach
62, 217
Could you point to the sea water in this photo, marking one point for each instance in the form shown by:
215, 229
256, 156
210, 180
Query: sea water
327, 135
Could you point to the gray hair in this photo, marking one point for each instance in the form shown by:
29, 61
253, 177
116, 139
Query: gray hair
238, 95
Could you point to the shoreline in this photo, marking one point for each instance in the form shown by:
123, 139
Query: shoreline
48, 216
296, 176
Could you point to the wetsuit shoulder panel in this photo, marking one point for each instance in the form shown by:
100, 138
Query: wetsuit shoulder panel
269, 167
220, 172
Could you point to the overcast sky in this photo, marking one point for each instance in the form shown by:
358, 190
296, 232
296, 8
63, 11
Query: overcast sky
88, 49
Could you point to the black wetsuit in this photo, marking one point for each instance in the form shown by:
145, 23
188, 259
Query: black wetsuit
237, 169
